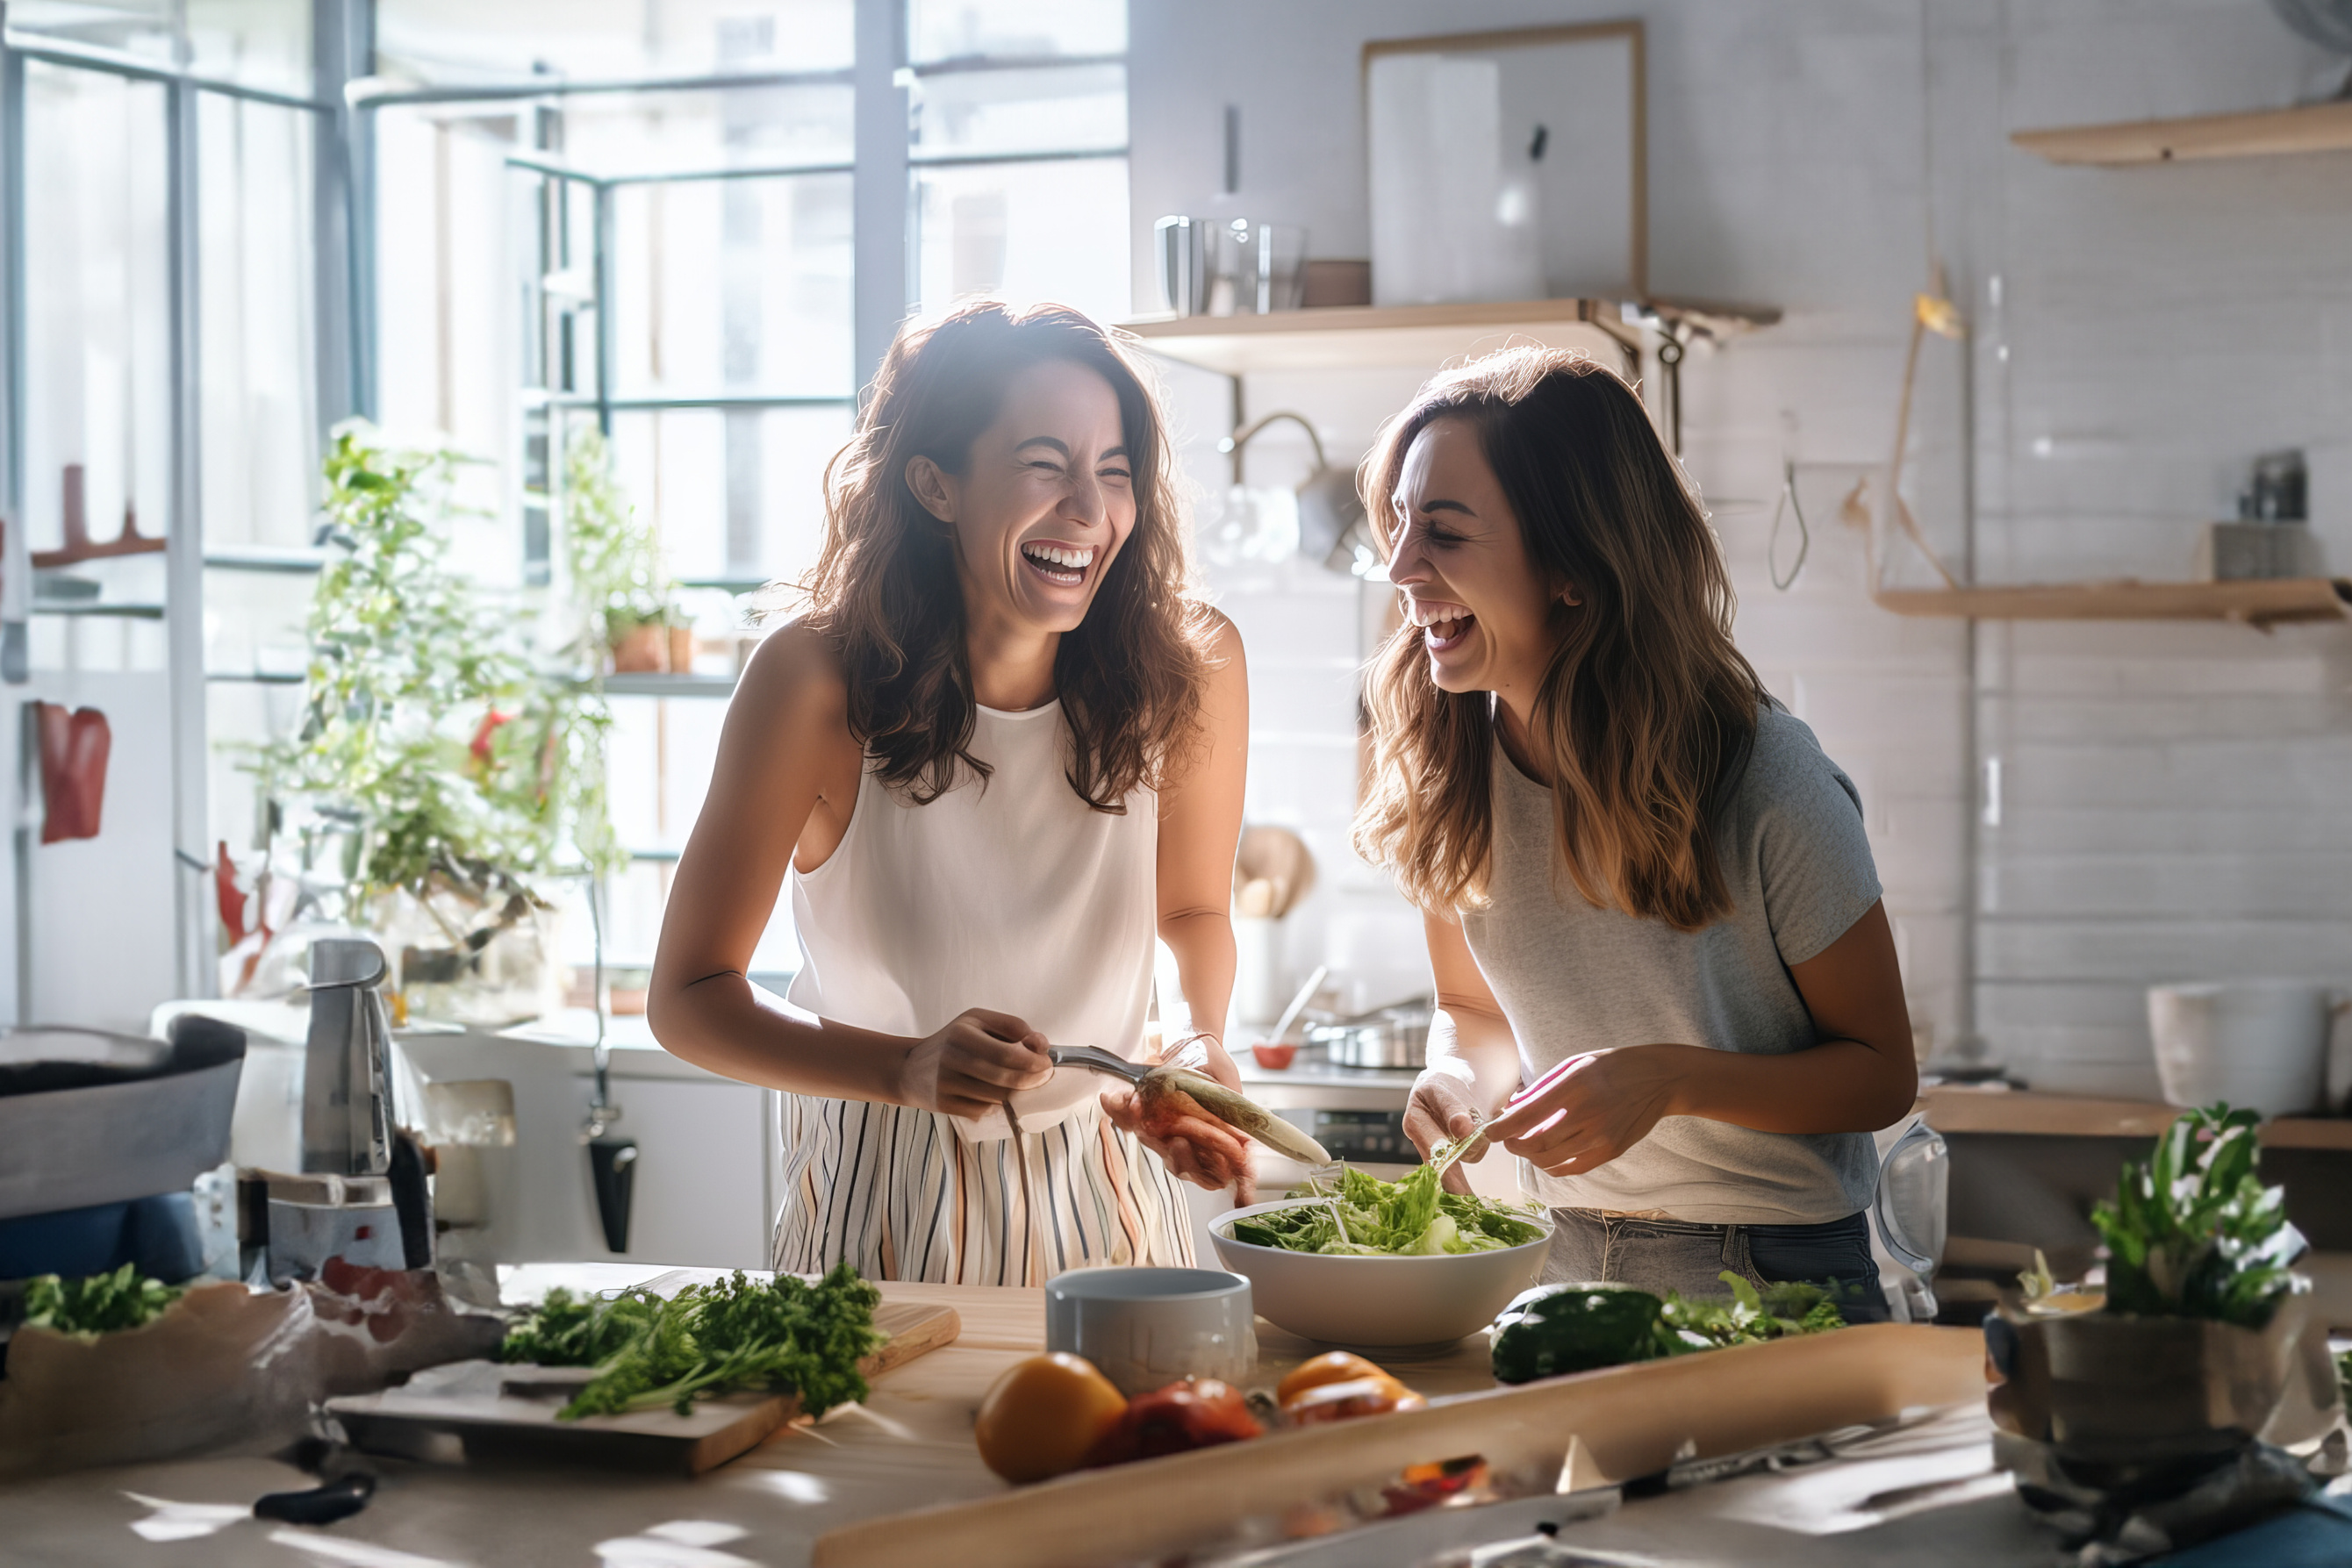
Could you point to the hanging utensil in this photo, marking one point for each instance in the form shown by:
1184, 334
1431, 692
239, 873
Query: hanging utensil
1298, 1003
611, 1161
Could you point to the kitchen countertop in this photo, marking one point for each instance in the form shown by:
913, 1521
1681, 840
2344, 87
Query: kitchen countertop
1311, 1069
1927, 1498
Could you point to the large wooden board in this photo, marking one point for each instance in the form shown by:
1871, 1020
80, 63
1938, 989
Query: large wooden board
497, 1410
1625, 1422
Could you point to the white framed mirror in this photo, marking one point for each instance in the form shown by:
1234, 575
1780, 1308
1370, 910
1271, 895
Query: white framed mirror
1507, 166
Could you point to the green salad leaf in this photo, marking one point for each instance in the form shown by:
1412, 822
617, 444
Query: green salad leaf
787, 1335
1411, 1216
102, 1303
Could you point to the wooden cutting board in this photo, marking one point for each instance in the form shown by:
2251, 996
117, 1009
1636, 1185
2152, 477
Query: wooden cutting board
510, 1411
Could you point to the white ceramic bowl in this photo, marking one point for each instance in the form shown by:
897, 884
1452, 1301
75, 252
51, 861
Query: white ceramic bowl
1145, 1327
2262, 1045
1379, 1301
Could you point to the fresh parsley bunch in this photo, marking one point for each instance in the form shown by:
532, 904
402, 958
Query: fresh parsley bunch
787, 1335
565, 1330
2194, 1233
102, 1303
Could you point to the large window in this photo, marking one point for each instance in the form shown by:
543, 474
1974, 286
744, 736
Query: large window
699, 233
528, 220
1017, 138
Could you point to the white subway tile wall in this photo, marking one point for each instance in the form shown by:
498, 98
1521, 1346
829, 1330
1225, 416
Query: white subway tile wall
2172, 799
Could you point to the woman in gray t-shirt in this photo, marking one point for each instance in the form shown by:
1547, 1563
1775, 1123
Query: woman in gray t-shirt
1651, 913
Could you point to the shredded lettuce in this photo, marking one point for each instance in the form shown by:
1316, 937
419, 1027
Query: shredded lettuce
1412, 1217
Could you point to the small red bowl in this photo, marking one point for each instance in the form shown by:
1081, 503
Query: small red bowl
1271, 1056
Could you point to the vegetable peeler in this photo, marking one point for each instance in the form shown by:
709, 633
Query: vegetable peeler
1234, 1110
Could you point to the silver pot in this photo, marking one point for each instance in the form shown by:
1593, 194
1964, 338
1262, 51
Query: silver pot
1390, 1038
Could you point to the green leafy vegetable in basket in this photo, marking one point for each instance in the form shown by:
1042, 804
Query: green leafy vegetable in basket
2193, 1232
1556, 1329
786, 1335
1411, 1216
102, 1303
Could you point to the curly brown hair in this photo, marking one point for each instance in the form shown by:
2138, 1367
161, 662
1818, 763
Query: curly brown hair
1647, 710
884, 591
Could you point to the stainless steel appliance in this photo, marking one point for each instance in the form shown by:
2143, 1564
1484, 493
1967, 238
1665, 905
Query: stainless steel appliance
361, 1195
1356, 1113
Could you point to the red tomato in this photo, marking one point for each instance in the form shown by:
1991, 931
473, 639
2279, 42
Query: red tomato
1198, 1413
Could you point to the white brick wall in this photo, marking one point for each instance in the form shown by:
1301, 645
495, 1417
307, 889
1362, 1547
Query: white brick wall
2173, 799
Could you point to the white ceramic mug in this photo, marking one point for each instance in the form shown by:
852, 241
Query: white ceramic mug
1145, 1327
2260, 1045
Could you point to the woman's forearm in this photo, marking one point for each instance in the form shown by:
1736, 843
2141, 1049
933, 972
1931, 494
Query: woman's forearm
1837, 1086
1203, 943
1477, 1050
718, 1023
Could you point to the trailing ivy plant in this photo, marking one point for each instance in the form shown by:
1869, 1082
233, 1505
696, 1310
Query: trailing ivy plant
614, 558
473, 767
2193, 1232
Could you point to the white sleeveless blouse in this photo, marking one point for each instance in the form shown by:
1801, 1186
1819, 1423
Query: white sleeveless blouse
1010, 893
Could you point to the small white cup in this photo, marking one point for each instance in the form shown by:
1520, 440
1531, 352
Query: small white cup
1145, 1327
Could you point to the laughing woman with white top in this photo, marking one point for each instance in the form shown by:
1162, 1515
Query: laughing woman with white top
998, 754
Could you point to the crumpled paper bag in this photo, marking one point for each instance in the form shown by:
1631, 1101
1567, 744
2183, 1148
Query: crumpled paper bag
226, 1367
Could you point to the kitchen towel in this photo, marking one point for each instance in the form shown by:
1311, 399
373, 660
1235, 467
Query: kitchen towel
74, 747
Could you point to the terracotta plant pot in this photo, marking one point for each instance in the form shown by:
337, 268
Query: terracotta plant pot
641, 649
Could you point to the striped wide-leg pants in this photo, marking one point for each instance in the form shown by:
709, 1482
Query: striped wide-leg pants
895, 1192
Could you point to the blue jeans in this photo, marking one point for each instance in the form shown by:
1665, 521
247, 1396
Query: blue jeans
1677, 1255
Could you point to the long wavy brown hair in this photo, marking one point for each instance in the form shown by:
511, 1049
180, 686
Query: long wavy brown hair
1646, 711
884, 590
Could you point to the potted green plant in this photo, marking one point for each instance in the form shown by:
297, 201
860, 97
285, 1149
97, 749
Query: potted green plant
474, 769
2202, 1340
615, 567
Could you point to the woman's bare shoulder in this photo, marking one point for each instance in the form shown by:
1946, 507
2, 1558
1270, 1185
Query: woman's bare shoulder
1220, 641
795, 685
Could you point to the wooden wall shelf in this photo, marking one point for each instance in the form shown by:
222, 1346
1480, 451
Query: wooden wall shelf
2309, 128
1959, 1108
1350, 337
2263, 602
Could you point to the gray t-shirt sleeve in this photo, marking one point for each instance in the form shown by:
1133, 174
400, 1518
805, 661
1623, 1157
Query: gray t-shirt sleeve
1812, 854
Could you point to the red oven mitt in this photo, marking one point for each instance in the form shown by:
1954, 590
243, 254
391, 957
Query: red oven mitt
74, 744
